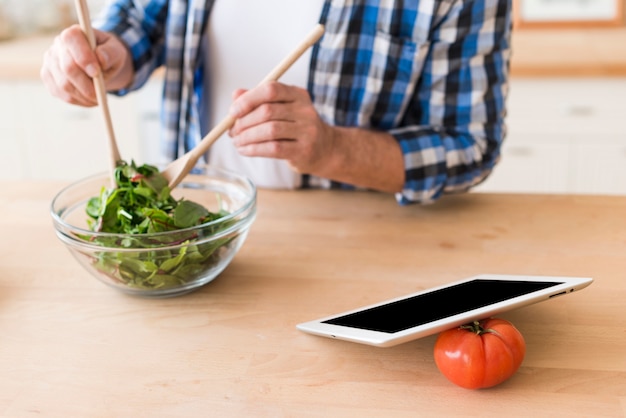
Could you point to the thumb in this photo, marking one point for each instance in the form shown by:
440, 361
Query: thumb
103, 56
109, 50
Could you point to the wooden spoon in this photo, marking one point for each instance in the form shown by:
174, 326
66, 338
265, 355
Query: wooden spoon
85, 23
178, 169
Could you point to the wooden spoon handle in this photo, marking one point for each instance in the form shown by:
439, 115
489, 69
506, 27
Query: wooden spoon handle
293, 56
85, 23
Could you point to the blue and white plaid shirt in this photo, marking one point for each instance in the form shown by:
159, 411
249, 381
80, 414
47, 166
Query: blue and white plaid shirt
433, 73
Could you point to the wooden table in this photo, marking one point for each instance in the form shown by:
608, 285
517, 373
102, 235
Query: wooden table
72, 347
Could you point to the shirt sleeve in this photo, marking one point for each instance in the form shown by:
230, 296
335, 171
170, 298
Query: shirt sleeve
453, 127
140, 24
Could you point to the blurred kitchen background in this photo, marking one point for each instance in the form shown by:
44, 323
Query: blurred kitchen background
26, 17
566, 107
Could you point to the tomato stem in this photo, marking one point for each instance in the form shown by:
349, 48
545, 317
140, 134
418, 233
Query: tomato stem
477, 328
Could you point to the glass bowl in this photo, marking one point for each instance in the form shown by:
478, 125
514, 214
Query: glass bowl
161, 264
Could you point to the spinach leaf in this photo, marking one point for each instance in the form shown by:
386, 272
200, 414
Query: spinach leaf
141, 203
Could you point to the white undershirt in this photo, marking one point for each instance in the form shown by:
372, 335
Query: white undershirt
246, 40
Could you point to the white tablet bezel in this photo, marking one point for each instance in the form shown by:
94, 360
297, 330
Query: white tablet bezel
383, 339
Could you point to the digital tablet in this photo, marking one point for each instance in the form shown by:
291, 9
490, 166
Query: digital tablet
440, 308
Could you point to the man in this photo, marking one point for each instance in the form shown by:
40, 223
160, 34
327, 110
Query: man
404, 97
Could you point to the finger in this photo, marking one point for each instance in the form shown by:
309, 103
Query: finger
281, 149
79, 49
101, 36
77, 64
66, 92
266, 112
115, 61
265, 93
110, 51
265, 132
57, 80
238, 93
73, 80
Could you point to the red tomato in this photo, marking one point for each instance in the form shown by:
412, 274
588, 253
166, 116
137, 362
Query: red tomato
481, 354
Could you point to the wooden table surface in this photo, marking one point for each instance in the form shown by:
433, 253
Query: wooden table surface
72, 347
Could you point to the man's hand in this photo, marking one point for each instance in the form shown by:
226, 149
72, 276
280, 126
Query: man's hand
70, 64
279, 121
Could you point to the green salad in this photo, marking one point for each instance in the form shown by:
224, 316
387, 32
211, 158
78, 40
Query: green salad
139, 211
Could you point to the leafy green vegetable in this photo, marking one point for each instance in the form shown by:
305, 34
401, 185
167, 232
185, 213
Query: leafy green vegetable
141, 204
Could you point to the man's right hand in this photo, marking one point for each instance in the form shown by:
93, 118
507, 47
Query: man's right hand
70, 64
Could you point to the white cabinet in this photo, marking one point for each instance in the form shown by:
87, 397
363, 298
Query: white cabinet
564, 136
45, 138
13, 154
530, 167
600, 167
69, 142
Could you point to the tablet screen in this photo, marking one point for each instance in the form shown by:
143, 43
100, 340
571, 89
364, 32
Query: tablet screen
421, 309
